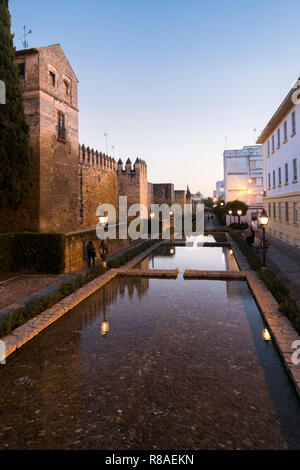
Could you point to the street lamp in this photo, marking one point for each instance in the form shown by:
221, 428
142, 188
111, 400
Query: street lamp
264, 219
103, 220
239, 213
230, 213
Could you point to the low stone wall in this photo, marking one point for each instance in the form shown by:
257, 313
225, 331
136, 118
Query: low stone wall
76, 248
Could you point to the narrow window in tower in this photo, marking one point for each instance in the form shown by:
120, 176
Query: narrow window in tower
67, 87
61, 130
21, 68
52, 78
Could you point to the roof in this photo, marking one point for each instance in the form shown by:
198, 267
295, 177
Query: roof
35, 50
285, 107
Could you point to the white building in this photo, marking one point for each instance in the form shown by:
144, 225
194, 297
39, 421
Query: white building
219, 191
281, 154
243, 179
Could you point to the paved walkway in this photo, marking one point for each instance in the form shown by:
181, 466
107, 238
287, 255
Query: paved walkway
285, 261
212, 223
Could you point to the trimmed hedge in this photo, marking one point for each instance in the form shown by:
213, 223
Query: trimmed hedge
36, 306
38, 252
286, 304
6, 253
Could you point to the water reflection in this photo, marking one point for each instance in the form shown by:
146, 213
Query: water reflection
190, 257
184, 366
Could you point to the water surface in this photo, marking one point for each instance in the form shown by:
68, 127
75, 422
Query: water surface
184, 366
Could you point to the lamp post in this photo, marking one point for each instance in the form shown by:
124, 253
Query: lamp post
105, 135
239, 213
230, 214
264, 219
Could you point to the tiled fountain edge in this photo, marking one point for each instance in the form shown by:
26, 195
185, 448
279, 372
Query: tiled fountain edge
36, 325
281, 329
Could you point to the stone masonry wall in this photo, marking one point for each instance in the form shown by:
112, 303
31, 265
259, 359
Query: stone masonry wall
132, 182
97, 180
163, 193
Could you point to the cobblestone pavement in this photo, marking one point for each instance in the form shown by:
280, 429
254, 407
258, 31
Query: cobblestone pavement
16, 287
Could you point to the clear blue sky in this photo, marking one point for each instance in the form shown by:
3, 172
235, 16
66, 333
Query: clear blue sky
169, 79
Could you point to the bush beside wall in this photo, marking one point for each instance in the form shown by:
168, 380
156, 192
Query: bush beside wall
37, 252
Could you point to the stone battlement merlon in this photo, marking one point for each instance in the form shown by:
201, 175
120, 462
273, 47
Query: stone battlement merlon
92, 157
139, 166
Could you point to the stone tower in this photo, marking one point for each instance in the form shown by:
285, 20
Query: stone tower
51, 107
132, 181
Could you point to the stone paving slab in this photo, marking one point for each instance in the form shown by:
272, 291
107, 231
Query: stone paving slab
155, 273
279, 326
178, 243
230, 275
214, 244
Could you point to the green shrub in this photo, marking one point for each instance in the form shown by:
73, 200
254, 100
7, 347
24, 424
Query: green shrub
6, 252
39, 252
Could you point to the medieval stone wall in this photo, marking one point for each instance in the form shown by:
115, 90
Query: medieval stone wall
163, 193
132, 182
180, 198
97, 179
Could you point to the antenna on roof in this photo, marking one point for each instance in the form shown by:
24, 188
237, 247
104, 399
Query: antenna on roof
23, 38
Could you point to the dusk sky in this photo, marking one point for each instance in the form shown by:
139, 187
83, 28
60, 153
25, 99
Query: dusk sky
167, 80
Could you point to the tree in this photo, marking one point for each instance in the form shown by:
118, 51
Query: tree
208, 202
15, 150
235, 206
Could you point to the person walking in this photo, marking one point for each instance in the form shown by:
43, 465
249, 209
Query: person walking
250, 238
91, 252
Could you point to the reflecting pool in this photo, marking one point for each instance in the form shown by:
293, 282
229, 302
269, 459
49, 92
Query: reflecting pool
192, 256
183, 366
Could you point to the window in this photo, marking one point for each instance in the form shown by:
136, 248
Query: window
273, 143
285, 130
274, 210
280, 235
286, 169
278, 137
293, 116
61, 126
274, 179
286, 211
296, 243
288, 238
280, 211
295, 211
270, 211
279, 176
253, 165
268, 147
269, 181
52, 78
67, 87
295, 169
21, 69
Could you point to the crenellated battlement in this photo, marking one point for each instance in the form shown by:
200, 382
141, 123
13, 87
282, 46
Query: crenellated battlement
139, 167
95, 159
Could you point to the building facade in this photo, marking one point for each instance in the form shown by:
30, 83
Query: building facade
243, 179
281, 153
219, 191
